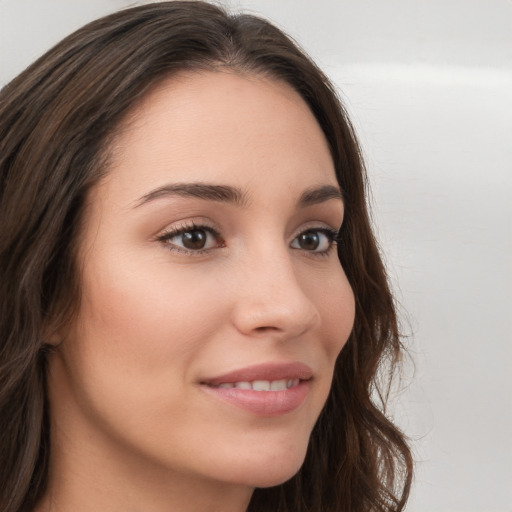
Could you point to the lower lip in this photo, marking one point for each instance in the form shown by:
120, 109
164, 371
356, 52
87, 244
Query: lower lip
263, 403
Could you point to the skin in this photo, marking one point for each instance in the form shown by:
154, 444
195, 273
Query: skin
132, 427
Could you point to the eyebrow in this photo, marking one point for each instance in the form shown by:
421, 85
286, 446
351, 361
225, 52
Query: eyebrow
220, 193
234, 195
317, 195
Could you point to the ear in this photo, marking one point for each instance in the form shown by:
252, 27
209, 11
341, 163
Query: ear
54, 334
58, 323
53, 340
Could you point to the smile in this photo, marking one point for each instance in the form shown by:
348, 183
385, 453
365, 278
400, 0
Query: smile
263, 390
262, 385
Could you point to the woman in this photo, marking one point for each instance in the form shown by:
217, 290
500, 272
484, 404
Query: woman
184, 324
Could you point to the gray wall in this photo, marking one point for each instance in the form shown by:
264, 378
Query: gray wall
429, 86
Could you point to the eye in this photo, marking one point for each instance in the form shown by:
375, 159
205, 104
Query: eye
318, 240
191, 239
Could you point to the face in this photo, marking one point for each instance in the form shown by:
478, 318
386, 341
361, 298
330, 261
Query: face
213, 302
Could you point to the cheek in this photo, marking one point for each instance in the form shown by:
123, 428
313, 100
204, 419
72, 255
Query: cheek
134, 346
335, 303
148, 301
141, 328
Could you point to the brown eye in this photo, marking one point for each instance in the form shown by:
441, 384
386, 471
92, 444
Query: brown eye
315, 240
309, 241
192, 239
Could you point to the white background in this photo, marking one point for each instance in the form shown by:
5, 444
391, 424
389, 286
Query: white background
429, 86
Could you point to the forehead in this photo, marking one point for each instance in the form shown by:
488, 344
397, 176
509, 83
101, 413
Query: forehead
221, 127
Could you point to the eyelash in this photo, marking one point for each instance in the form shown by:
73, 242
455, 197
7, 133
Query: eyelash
333, 238
180, 230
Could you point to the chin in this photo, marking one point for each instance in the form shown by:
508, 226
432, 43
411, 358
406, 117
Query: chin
274, 471
276, 478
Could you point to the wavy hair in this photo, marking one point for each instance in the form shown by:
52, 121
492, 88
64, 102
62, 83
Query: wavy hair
57, 119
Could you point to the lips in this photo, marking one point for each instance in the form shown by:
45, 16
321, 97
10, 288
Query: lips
269, 372
262, 385
265, 390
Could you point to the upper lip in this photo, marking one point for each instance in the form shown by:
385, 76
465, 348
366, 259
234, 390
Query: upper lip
265, 371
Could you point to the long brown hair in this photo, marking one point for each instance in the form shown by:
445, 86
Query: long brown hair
56, 121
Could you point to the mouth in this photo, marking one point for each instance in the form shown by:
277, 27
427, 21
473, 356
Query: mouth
261, 385
263, 390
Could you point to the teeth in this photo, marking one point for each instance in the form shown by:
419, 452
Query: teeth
262, 385
278, 385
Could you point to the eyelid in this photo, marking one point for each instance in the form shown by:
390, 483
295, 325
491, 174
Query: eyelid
184, 227
332, 233
316, 226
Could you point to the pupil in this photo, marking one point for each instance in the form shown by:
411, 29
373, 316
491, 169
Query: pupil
195, 239
309, 241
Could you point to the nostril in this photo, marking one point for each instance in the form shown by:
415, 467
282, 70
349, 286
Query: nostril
266, 328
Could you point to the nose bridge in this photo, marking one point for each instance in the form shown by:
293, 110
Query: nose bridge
271, 298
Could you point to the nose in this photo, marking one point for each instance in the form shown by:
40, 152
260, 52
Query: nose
270, 300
